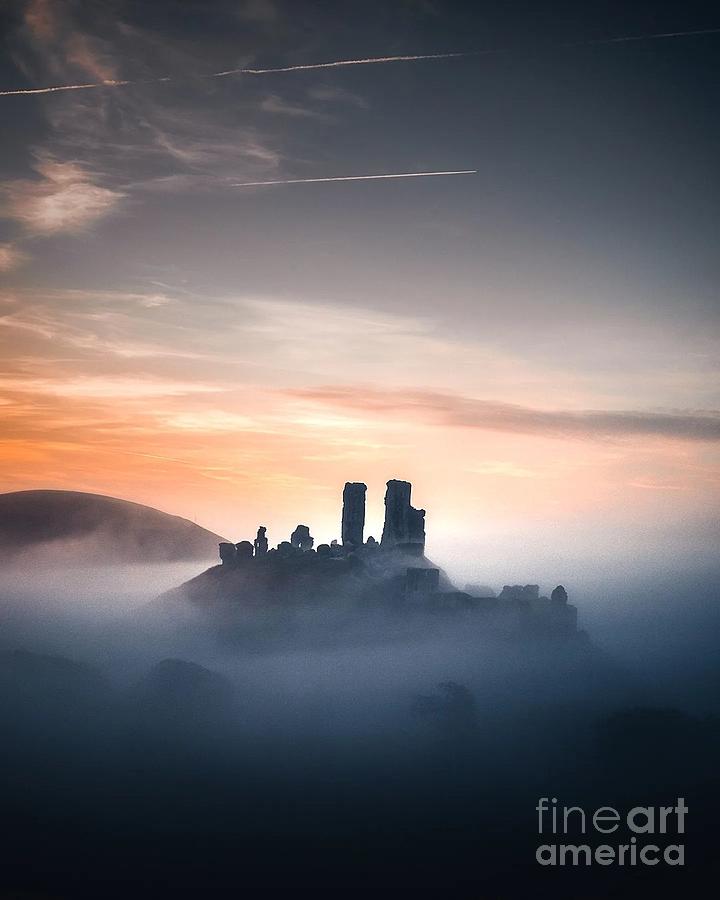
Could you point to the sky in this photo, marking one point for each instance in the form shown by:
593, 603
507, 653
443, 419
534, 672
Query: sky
533, 344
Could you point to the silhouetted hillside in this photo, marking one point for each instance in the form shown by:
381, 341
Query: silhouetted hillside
72, 527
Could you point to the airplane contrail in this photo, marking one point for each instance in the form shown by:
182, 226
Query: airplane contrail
355, 178
662, 35
71, 87
338, 63
371, 60
333, 64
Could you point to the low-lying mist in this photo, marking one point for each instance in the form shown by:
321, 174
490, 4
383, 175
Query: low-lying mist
325, 731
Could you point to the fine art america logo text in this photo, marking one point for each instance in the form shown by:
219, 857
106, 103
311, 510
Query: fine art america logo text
643, 832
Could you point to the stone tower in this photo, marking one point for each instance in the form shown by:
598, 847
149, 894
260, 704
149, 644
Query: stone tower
403, 523
353, 513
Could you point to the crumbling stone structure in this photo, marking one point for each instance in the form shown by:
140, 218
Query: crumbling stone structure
353, 513
300, 538
398, 563
403, 523
553, 616
227, 553
261, 542
243, 551
527, 592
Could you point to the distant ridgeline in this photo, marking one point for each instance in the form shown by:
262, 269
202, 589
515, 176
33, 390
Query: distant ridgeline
393, 574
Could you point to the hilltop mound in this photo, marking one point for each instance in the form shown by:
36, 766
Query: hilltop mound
78, 528
304, 579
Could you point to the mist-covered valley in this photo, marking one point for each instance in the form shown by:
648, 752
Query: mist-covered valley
307, 743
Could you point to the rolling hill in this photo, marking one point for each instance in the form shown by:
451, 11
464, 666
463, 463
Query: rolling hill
77, 528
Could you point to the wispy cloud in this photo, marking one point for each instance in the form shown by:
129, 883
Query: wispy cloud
257, 11
81, 53
201, 142
468, 412
41, 19
11, 256
326, 93
100, 323
105, 387
648, 485
278, 106
210, 420
52, 27
495, 468
66, 197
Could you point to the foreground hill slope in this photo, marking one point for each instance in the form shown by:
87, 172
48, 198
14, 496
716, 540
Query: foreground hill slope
78, 528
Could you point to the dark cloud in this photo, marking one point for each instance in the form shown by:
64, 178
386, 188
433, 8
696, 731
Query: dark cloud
467, 412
